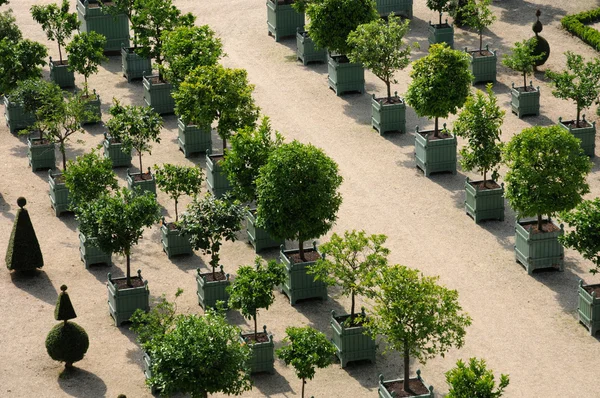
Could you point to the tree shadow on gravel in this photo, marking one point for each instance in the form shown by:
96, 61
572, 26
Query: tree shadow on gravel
37, 284
78, 382
272, 384
513, 12
563, 284
5, 209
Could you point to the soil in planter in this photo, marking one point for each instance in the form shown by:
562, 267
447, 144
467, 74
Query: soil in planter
60, 179
442, 135
341, 59
547, 226
142, 177
156, 80
285, 2
592, 289
527, 89
217, 158
483, 185
356, 321
261, 337
219, 276
171, 226
573, 124
482, 53
415, 385
40, 142
309, 255
391, 101
63, 62
440, 26
136, 281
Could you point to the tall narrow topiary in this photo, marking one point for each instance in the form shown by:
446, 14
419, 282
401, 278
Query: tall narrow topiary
23, 252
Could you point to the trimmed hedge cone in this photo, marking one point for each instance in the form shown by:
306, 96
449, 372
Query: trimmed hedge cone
23, 252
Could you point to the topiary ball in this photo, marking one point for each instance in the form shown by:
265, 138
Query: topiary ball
21, 202
67, 342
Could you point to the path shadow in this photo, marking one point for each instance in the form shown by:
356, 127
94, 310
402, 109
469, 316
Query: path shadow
78, 382
37, 284
514, 11
272, 384
5, 209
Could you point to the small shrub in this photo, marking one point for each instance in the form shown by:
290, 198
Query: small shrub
578, 25
474, 380
67, 342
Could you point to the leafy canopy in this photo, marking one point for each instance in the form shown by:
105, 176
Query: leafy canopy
56, 21
20, 61
86, 52
474, 381
250, 149
9, 28
175, 180
585, 237
438, 5
478, 15
546, 171
523, 58
151, 326
480, 122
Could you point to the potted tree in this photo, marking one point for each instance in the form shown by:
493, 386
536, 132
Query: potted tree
21, 104
283, 19
432, 323
94, 17
134, 127
117, 221
86, 179
176, 181
379, 47
85, 54
23, 253
307, 350
553, 165
59, 24
209, 221
211, 93
251, 291
250, 149
474, 380
310, 214
524, 100
331, 21
442, 69
440, 32
385, 8
478, 15
584, 237
306, 49
580, 83
353, 262
480, 122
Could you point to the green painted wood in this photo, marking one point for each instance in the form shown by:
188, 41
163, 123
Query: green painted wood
134, 66
306, 49
435, 156
145, 185
114, 151
16, 117
258, 237
193, 139
209, 292
122, 303
539, 250
59, 193
345, 77
147, 366
61, 75
91, 254
398, 7
384, 393
443, 33
484, 204
388, 117
40, 156
114, 27
298, 284
173, 243
263, 354
587, 135
525, 103
158, 95
216, 179
483, 67
352, 343
588, 308
283, 20
94, 106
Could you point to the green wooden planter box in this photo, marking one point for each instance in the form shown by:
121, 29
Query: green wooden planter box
61, 75
263, 354
484, 204
40, 156
538, 250
147, 366
282, 19
148, 185
589, 308
352, 343
193, 139
384, 393
158, 95
95, 107
114, 151
443, 33
114, 27
209, 292
587, 135
258, 237
306, 49
122, 303
435, 156
173, 243
525, 103
388, 117
90, 253
134, 66
216, 179
398, 7
345, 77
59, 193
16, 117
298, 284
483, 67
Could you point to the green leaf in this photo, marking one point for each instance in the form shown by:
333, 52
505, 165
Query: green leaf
177, 180
585, 238
474, 381
86, 52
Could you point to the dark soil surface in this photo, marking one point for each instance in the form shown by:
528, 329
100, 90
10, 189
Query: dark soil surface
528, 89
391, 101
573, 124
60, 179
309, 255
482, 185
592, 289
40, 142
532, 227
218, 276
136, 281
357, 321
142, 176
442, 135
261, 337
171, 226
482, 53
416, 386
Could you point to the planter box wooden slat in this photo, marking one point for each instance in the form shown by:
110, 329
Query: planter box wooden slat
114, 27
61, 75
122, 303
173, 243
40, 156
114, 151
90, 253
384, 393
134, 66
258, 237
435, 156
306, 49
193, 139
283, 20
210, 292
443, 33
345, 77
398, 7
145, 185
388, 117
16, 117
483, 68
95, 107
298, 284
587, 135
588, 308
352, 343
484, 204
524, 103
158, 95
538, 250
216, 179
263, 354
59, 193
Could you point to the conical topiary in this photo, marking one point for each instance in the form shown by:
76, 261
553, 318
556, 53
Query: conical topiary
67, 342
23, 252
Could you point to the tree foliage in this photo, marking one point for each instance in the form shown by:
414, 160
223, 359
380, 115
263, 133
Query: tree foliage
523, 58
474, 381
67, 342
151, 326
20, 61
585, 237
177, 180
546, 172
438, 5
478, 15
480, 122
8, 27
56, 21
86, 52
64, 308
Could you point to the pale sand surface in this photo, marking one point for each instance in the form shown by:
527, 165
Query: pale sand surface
525, 326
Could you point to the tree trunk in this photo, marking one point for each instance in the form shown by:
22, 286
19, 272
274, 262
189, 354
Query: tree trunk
303, 383
85, 86
484, 178
224, 145
140, 157
255, 329
405, 384
525, 81
59, 54
389, 90
176, 215
481, 42
577, 120
352, 309
440, 18
435, 128
128, 258
539, 222
301, 249
64, 155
